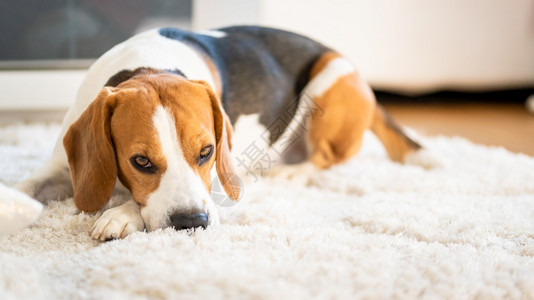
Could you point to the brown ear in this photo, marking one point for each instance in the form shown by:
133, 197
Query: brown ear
89, 148
223, 134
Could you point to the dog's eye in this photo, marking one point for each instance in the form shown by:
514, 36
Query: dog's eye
205, 154
142, 163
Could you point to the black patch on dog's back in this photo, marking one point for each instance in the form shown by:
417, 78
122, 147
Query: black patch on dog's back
177, 72
119, 78
124, 75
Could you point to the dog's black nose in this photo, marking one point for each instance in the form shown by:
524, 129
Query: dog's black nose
186, 221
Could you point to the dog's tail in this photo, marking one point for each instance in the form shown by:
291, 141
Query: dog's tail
397, 144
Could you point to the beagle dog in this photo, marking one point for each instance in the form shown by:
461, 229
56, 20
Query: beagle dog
155, 115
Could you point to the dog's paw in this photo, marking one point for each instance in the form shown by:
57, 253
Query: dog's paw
118, 222
27, 187
51, 182
298, 173
425, 159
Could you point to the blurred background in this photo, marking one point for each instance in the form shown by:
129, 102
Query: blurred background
451, 67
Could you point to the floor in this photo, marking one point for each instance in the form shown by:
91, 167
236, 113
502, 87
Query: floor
495, 124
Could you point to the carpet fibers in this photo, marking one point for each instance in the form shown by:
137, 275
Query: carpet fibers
370, 229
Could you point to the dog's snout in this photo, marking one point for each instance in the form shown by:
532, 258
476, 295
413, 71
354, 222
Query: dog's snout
186, 221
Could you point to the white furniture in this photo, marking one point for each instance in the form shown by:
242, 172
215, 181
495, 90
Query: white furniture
409, 46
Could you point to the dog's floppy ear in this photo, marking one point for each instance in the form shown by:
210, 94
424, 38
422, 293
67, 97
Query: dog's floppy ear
91, 155
223, 135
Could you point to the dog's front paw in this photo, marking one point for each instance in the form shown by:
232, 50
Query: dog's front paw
118, 222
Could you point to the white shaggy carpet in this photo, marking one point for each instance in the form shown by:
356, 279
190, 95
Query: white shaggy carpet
368, 229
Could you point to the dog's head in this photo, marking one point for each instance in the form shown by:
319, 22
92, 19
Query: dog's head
160, 134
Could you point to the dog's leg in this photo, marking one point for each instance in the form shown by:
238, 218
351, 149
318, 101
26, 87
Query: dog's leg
339, 106
50, 182
118, 222
344, 110
343, 106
